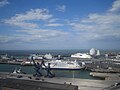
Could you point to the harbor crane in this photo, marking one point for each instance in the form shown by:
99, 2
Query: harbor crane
39, 68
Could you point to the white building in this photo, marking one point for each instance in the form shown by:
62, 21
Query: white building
118, 56
48, 56
35, 57
4, 57
98, 52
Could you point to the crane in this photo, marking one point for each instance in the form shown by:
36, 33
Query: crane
38, 68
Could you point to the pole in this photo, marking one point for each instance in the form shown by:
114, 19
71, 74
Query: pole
73, 77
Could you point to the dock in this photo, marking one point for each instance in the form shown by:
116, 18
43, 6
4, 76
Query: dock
10, 81
106, 76
58, 83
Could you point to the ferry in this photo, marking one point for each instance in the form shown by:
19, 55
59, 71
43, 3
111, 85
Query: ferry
81, 55
63, 65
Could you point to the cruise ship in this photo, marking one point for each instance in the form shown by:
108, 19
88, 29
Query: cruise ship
63, 65
81, 55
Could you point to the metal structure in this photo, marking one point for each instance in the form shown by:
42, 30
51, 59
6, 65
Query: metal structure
38, 69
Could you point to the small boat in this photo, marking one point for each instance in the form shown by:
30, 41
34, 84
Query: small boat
63, 65
17, 71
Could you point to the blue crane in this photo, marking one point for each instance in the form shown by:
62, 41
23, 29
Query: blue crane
38, 68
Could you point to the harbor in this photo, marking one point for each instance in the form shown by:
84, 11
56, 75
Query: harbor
93, 72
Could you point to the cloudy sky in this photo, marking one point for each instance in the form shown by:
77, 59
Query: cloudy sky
59, 24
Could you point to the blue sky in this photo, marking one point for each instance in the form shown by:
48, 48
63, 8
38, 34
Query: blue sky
59, 24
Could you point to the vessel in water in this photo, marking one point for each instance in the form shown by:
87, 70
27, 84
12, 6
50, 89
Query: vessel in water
63, 65
81, 55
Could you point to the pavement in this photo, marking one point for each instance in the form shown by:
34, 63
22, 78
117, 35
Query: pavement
85, 84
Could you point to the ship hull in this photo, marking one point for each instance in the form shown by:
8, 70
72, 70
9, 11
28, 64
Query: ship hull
65, 68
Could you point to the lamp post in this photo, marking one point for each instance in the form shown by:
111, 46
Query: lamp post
73, 77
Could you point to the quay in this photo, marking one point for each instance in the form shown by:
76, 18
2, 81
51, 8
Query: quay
10, 81
101, 70
22, 84
27, 81
106, 76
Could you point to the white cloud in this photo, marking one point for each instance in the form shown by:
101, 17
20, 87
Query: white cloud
61, 8
31, 30
115, 6
25, 20
82, 27
33, 35
3, 3
98, 26
13, 38
54, 24
41, 33
52, 20
4, 39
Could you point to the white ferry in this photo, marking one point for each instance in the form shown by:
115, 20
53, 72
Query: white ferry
81, 55
63, 65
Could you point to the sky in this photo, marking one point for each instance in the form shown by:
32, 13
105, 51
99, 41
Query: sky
59, 24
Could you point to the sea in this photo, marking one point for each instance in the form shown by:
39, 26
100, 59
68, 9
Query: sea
83, 74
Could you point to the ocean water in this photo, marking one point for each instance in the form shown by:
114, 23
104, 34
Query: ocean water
58, 73
28, 52
64, 52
